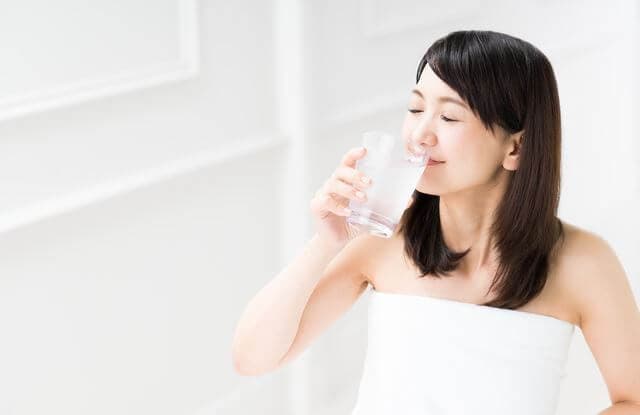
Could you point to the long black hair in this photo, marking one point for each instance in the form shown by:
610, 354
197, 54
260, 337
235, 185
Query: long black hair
507, 82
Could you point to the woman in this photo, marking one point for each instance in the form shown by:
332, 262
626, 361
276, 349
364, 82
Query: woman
476, 295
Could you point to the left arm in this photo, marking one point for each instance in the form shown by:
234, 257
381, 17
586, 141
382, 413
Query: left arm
622, 408
610, 323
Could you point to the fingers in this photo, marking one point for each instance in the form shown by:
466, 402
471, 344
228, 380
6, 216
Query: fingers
353, 177
336, 206
342, 190
352, 156
325, 202
345, 184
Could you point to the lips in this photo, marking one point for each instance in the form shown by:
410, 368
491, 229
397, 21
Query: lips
433, 162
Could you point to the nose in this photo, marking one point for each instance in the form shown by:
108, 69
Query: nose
422, 139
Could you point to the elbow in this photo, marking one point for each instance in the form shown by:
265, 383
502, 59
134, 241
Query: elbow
249, 359
246, 367
249, 370
240, 365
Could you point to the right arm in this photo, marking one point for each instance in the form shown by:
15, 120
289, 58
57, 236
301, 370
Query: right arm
302, 301
320, 284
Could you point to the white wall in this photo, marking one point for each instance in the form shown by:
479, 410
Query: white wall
157, 159
137, 217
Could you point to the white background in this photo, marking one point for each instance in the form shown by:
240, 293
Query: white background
157, 160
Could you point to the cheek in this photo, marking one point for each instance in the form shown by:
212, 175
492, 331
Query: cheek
476, 164
465, 147
407, 127
466, 160
455, 150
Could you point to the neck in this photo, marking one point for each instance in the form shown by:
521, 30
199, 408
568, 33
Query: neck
466, 218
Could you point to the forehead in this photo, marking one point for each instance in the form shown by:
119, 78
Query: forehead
431, 84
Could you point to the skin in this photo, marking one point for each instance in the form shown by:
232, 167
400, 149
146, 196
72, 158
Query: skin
587, 283
472, 179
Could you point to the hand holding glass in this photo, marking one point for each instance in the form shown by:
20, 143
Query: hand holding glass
394, 170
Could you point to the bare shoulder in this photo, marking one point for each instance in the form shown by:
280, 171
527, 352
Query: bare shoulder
581, 250
360, 253
579, 242
587, 268
378, 252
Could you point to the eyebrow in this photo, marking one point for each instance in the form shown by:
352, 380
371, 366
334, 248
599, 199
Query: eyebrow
442, 99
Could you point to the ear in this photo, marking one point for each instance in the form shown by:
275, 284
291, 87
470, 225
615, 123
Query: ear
512, 157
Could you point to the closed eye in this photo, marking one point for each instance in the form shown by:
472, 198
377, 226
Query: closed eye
442, 116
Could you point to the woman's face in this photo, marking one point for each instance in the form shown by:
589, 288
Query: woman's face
473, 157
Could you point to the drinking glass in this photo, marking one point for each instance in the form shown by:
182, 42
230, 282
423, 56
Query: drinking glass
394, 169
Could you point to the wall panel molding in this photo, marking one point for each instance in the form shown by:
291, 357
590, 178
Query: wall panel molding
78, 198
92, 84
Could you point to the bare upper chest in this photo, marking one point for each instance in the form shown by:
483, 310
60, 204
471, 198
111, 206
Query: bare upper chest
390, 270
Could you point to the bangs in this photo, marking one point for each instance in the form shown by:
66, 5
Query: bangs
486, 72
